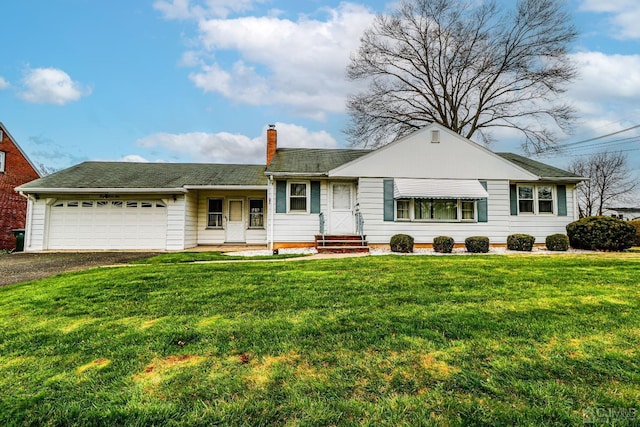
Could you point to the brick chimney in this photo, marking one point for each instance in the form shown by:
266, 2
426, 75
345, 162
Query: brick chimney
272, 143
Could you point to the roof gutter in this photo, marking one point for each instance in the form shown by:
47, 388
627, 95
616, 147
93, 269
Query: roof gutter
563, 179
31, 190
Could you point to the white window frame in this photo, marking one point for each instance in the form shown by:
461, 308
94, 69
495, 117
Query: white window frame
412, 211
553, 199
251, 214
3, 157
536, 199
307, 185
409, 203
221, 213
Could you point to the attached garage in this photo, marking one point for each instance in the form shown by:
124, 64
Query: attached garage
107, 224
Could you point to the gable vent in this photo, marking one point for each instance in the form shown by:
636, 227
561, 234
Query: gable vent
435, 136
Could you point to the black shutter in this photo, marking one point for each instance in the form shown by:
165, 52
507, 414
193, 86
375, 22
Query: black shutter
562, 200
483, 209
513, 196
315, 196
388, 200
281, 196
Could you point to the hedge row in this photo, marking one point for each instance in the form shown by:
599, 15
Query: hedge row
592, 233
403, 243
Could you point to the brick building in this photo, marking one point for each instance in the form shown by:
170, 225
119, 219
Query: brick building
15, 169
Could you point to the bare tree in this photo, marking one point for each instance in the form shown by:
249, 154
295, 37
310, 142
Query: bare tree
45, 170
610, 180
466, 66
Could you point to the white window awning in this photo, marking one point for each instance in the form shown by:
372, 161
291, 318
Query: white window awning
471, 189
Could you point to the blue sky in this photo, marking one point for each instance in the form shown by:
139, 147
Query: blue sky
200, 80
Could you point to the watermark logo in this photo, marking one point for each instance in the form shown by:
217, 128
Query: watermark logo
599, 415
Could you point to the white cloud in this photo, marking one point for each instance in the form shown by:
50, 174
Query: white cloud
133, 158
299, 63
625, 15
3, 83
51, 86
605, 92
225, 147
188, 9
606, 76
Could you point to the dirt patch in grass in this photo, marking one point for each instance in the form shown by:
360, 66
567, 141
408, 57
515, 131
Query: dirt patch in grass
23, 267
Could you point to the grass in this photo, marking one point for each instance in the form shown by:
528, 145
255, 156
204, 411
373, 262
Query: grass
391, 340
185, 257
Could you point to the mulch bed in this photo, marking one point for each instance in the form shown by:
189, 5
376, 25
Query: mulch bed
23, 267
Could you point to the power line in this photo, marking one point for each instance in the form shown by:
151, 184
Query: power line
571, 144
614, 142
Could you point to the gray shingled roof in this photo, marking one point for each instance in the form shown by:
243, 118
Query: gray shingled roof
311, 160
541, 169
150, 175
178, 175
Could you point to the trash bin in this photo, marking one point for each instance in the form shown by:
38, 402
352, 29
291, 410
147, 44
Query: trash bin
19, 233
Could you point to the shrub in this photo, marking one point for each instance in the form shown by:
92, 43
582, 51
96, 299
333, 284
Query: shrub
636, 224
477, 244
557, 242
520, 242
401, 243
601, 232
443, 244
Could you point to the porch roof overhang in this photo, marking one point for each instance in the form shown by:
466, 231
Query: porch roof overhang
470, 189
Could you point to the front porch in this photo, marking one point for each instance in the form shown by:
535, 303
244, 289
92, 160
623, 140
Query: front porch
341, 243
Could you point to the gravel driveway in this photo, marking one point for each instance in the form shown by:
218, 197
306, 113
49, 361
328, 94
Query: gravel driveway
23, 267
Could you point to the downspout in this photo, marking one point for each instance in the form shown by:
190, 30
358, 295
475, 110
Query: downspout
27, 222
271, 215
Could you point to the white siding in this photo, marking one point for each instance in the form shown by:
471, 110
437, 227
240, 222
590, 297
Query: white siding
415, 156
301, 227
543, 225
35, 226
216, 236
176, 222
191, 220
500, 223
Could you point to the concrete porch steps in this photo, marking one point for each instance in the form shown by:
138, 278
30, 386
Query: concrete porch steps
343, 243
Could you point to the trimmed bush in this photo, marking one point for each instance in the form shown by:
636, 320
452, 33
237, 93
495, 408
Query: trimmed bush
477, 244
443, 244
636, 224
401, 243
601, 233
520, 242
557, 242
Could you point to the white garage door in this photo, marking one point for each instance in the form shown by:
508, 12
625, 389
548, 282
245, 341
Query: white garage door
108, 224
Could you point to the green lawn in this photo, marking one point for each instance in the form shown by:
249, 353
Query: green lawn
389, 340
184, 257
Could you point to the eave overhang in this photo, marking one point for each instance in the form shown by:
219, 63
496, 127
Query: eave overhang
33, 190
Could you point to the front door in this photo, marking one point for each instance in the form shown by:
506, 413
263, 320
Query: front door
341, 219
235, 221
